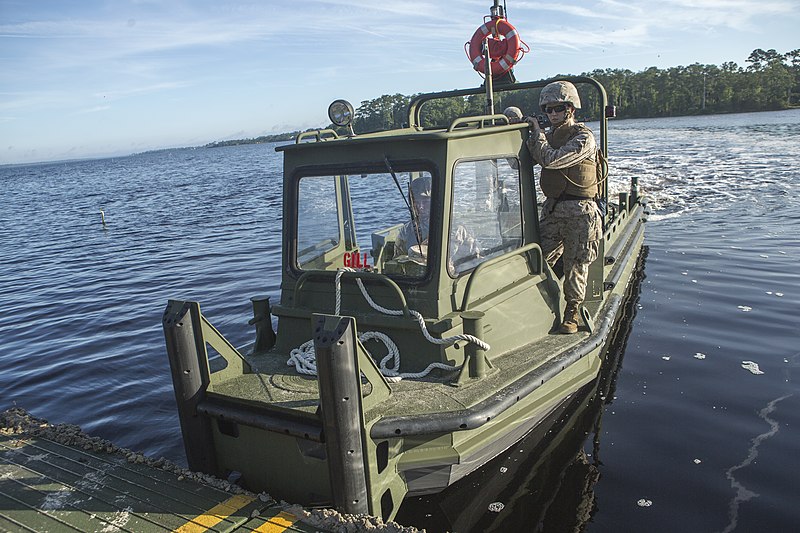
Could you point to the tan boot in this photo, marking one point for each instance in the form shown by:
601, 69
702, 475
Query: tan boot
570, 323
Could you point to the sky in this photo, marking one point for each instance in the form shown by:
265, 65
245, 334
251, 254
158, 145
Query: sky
96, 78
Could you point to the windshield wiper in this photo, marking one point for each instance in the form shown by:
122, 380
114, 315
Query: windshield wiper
411, 207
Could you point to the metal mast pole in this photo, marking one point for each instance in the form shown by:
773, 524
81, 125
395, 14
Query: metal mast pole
488, 83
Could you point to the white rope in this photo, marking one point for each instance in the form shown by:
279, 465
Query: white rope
304, 359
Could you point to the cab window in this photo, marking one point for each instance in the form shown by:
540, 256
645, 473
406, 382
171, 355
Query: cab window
362, 220
486, 218
318, 216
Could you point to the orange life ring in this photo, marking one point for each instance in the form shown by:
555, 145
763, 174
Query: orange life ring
504, 46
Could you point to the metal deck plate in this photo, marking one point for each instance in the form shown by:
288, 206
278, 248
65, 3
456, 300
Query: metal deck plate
46, 486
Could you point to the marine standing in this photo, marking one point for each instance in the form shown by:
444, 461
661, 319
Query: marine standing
570, 221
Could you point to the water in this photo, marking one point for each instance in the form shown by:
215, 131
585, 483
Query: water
689, 440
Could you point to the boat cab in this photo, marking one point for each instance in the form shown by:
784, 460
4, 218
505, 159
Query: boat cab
417, 328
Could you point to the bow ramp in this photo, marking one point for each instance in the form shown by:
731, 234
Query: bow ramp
56, 478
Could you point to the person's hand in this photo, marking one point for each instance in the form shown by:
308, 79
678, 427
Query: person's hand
534, 125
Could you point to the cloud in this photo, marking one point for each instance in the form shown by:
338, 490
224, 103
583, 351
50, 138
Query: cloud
95, 109
572, 10
735, 14
415, 9
642, 22
632, 36
127, 92
33, 99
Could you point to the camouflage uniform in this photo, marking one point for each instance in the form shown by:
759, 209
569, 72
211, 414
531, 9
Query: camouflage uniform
408, 236
571, 228
571, 224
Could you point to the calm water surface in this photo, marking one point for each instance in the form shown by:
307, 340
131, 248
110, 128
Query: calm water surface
678, 436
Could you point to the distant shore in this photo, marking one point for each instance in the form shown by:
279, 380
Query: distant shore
278, 137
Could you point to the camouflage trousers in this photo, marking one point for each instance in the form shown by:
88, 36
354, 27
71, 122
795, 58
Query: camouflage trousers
571, 228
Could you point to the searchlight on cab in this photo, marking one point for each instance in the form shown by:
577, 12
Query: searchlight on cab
341, 114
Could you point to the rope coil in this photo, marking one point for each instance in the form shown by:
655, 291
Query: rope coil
303, 358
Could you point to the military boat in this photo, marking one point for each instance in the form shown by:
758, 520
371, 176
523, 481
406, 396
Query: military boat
411, 347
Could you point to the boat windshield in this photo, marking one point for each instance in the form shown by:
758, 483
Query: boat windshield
363, 221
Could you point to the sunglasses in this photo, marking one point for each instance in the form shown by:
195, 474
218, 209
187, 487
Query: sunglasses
554, 109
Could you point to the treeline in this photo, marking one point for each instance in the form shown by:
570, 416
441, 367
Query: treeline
770, 81
256, 140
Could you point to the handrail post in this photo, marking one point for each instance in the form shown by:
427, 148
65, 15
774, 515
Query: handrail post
188, 362
473, 325
634, 196
342, 418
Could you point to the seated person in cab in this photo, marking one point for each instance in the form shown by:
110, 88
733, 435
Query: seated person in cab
570, 223
412, 240
413, 237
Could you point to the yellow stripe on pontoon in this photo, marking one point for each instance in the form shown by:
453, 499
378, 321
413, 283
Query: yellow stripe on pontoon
277, 524
215, 515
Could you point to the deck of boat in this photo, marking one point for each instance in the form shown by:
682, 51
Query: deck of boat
274, 382
47, 486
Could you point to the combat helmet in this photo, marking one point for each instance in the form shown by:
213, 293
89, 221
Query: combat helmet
421, 186
559, 92
513, 113
419, 190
